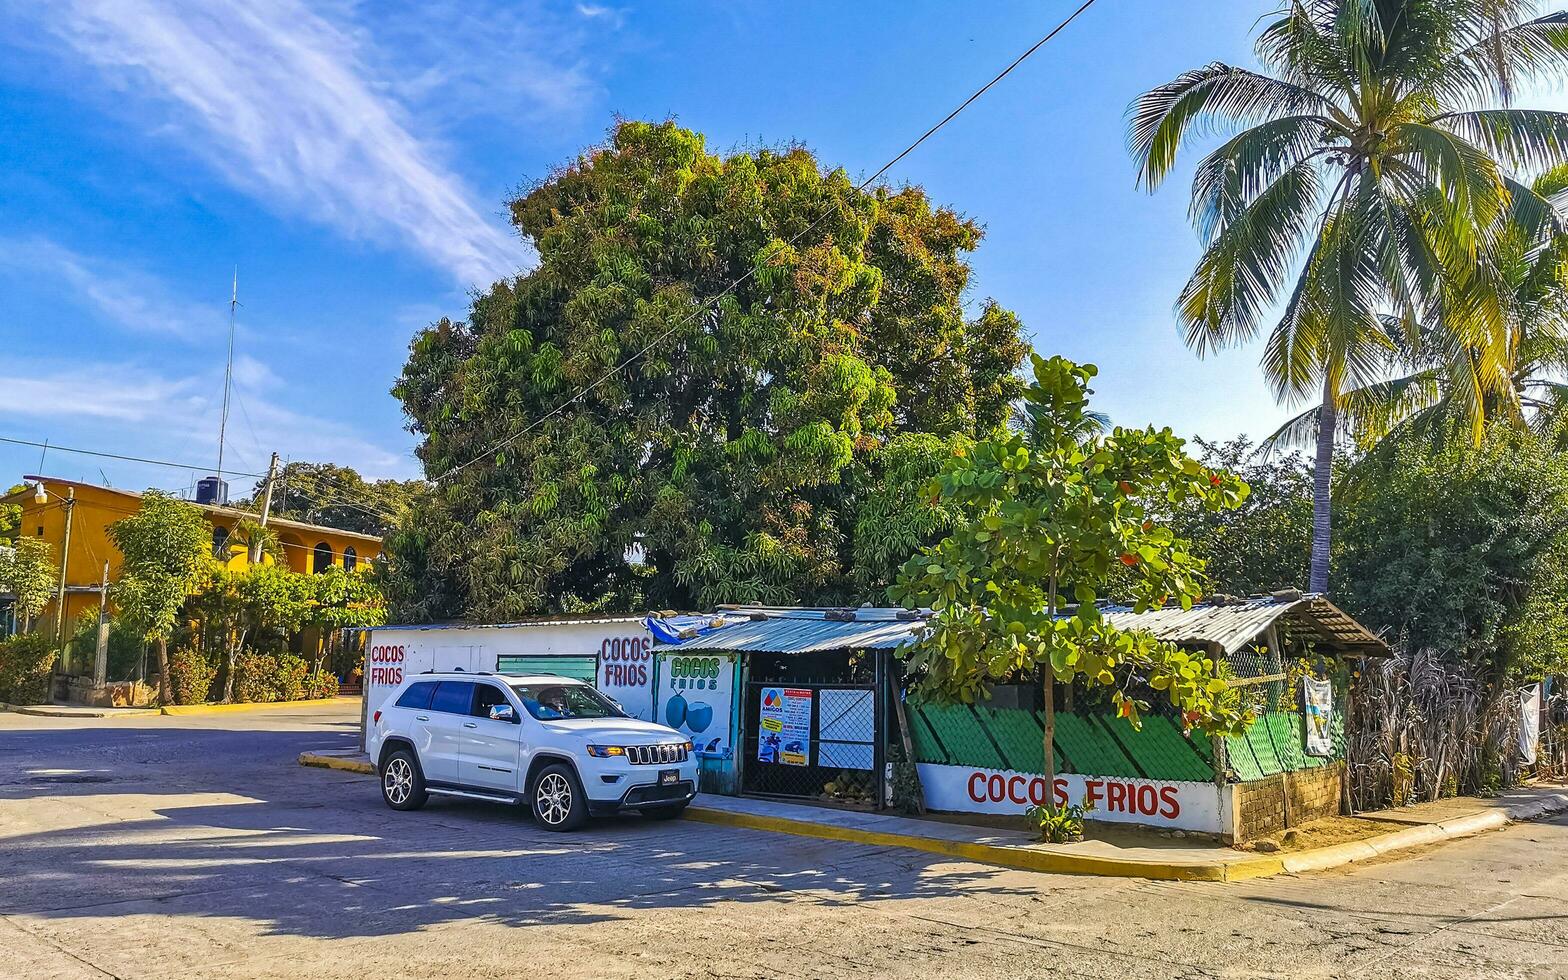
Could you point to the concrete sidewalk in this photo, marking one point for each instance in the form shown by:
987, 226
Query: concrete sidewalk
89, 711
1186, 860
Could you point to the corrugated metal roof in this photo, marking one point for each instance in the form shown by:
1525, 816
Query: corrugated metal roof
1231, 626
1226, 627
786, 633
590, 619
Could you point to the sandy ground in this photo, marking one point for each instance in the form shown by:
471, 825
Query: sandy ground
195, 847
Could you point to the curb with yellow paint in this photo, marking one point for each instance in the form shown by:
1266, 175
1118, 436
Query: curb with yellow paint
1058, 862
72, 711
217, 709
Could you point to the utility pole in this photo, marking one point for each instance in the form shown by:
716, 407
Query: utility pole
266, 506
65, 560
101, 654
228, 370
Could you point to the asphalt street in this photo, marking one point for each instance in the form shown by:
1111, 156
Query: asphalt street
196, 847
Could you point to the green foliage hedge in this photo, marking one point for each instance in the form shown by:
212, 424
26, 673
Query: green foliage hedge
265, 677
25, 665
191, 675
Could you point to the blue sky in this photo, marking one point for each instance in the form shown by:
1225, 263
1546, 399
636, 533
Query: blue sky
352, 160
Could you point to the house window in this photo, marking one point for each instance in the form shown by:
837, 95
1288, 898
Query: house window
220, 543
350, 558
321, 558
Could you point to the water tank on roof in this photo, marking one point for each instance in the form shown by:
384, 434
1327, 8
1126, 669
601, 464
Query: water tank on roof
212, 490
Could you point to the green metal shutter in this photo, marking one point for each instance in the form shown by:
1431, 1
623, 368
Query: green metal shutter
580, 668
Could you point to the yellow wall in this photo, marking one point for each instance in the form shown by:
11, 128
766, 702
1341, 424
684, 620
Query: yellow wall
98, 507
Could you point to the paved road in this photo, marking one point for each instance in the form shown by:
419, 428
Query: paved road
194, 847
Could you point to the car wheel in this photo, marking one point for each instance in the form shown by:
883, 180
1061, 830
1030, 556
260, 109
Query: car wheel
402, 784
558, 801
666, 812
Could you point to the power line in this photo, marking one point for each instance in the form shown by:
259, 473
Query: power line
750, 273
128, 459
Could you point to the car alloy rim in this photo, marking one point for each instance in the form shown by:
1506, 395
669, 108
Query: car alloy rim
553, 799
399, 781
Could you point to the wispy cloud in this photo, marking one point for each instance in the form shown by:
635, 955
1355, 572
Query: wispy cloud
287, 105
123, 295
175, 416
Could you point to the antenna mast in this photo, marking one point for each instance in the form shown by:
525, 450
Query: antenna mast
228, 370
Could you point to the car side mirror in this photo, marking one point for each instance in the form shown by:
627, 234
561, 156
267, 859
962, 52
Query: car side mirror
503, 712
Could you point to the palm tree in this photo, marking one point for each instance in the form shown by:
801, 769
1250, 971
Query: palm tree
1437, 394
1367, 167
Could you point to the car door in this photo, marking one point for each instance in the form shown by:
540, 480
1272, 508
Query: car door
489, 756
443, 725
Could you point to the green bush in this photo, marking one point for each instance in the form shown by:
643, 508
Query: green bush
262, 677
322, 684
288, 680
191, 675
25, 665
253, 674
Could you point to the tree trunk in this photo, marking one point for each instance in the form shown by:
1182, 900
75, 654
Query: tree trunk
228, 667
164, 690
1048, 688
1322, 505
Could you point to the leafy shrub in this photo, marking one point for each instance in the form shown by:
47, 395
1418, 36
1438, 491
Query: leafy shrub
191, 674
253, 677
288, 680
1058, 825
322, 684
26, 662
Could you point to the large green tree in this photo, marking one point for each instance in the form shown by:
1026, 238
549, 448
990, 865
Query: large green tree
336, 496
166, 556
1372, 144
1050, 520
739, 449
1462, 551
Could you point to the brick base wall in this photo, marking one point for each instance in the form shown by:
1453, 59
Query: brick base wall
1272, 804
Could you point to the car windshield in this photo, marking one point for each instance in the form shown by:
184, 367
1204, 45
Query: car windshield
552, 702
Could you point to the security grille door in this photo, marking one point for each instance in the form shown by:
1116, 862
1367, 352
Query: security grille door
847, 728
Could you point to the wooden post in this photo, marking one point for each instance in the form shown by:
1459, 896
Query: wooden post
101, 652
908, 743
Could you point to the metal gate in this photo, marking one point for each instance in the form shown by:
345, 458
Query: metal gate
816, 741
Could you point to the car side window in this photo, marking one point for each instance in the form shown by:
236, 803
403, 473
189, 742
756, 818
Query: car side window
453, 696
486, 695
417, 696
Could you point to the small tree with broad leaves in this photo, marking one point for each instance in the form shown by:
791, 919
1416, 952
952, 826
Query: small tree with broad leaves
27, 571
1053, 510
166, 548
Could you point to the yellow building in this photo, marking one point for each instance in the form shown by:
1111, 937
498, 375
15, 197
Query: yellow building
307, 547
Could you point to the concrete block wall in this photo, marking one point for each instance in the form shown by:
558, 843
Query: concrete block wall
1272, 804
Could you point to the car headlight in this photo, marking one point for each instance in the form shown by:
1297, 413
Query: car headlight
687, 746
605, 751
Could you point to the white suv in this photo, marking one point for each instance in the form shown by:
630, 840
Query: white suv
552, 742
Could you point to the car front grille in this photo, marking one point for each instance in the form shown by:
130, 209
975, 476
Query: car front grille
669, 753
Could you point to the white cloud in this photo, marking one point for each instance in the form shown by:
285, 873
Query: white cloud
134, 409
283, 102
122, 294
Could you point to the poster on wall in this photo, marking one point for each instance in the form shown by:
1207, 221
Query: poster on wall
784, 727
1318, 708
695, 694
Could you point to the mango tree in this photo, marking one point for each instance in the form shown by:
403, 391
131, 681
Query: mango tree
1052, 518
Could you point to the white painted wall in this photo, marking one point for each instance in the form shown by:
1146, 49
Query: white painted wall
623, 649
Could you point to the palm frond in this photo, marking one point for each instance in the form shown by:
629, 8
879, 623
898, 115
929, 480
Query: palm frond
1231, 178
1242, 272
1215, 95
1493, 64
1535, 139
